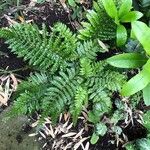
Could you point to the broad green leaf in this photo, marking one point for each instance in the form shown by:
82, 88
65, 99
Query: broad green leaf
142, 33
131, 16
146, 95
94, 138
127, 60
121, 35
125, 8
143, 144
110, 8
137, 83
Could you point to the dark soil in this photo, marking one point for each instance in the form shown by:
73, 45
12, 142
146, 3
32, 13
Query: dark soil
135, 131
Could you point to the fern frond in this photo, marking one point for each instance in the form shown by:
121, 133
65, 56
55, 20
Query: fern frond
81, 99
88, 49
61, 92
112, 80
30, 94
41, 49
86, 69
5, 33
99, 25
33, 82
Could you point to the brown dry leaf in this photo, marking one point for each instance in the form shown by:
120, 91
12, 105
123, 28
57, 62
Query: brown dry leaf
21, 18
15, 82
68, 146
63, 3
79, 134
76, 146
34, 124
69, 134
87, 146
66, 116
70, 126
43, 135
3, 99
52, 132
10, 21
33, 134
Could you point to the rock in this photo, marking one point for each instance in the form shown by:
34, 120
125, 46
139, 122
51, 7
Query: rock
13, 136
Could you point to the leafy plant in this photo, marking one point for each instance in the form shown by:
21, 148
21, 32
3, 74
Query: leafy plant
71, 77
108, 13
135, 60
122, 15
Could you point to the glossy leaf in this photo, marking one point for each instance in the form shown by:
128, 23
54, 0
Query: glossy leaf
142, 33
121, 35
110, 8
127, 60
146, 95
137, 83
125, 7
131, 16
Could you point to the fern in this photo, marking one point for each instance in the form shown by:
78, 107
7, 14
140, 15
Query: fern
86, 69
88, 49
99, 24
72, 76
61, 92
81, 98
30, 93
41, 49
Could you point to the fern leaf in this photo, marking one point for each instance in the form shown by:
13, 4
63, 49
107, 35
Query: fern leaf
99, 25
88, 49
29, 94
81, 98
61, 92
86, 69
41, 49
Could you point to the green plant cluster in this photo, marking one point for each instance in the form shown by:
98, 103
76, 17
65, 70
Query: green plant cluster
67, 75
4, 4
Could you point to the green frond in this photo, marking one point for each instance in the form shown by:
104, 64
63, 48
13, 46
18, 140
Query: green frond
33, 82
81, 99
30, 94
86, 70
98, 67
99, 25
88, 49
61, 92
112, 80
5, 33
41, 49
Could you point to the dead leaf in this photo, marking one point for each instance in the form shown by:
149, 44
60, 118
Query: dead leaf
15, 82
69, 134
